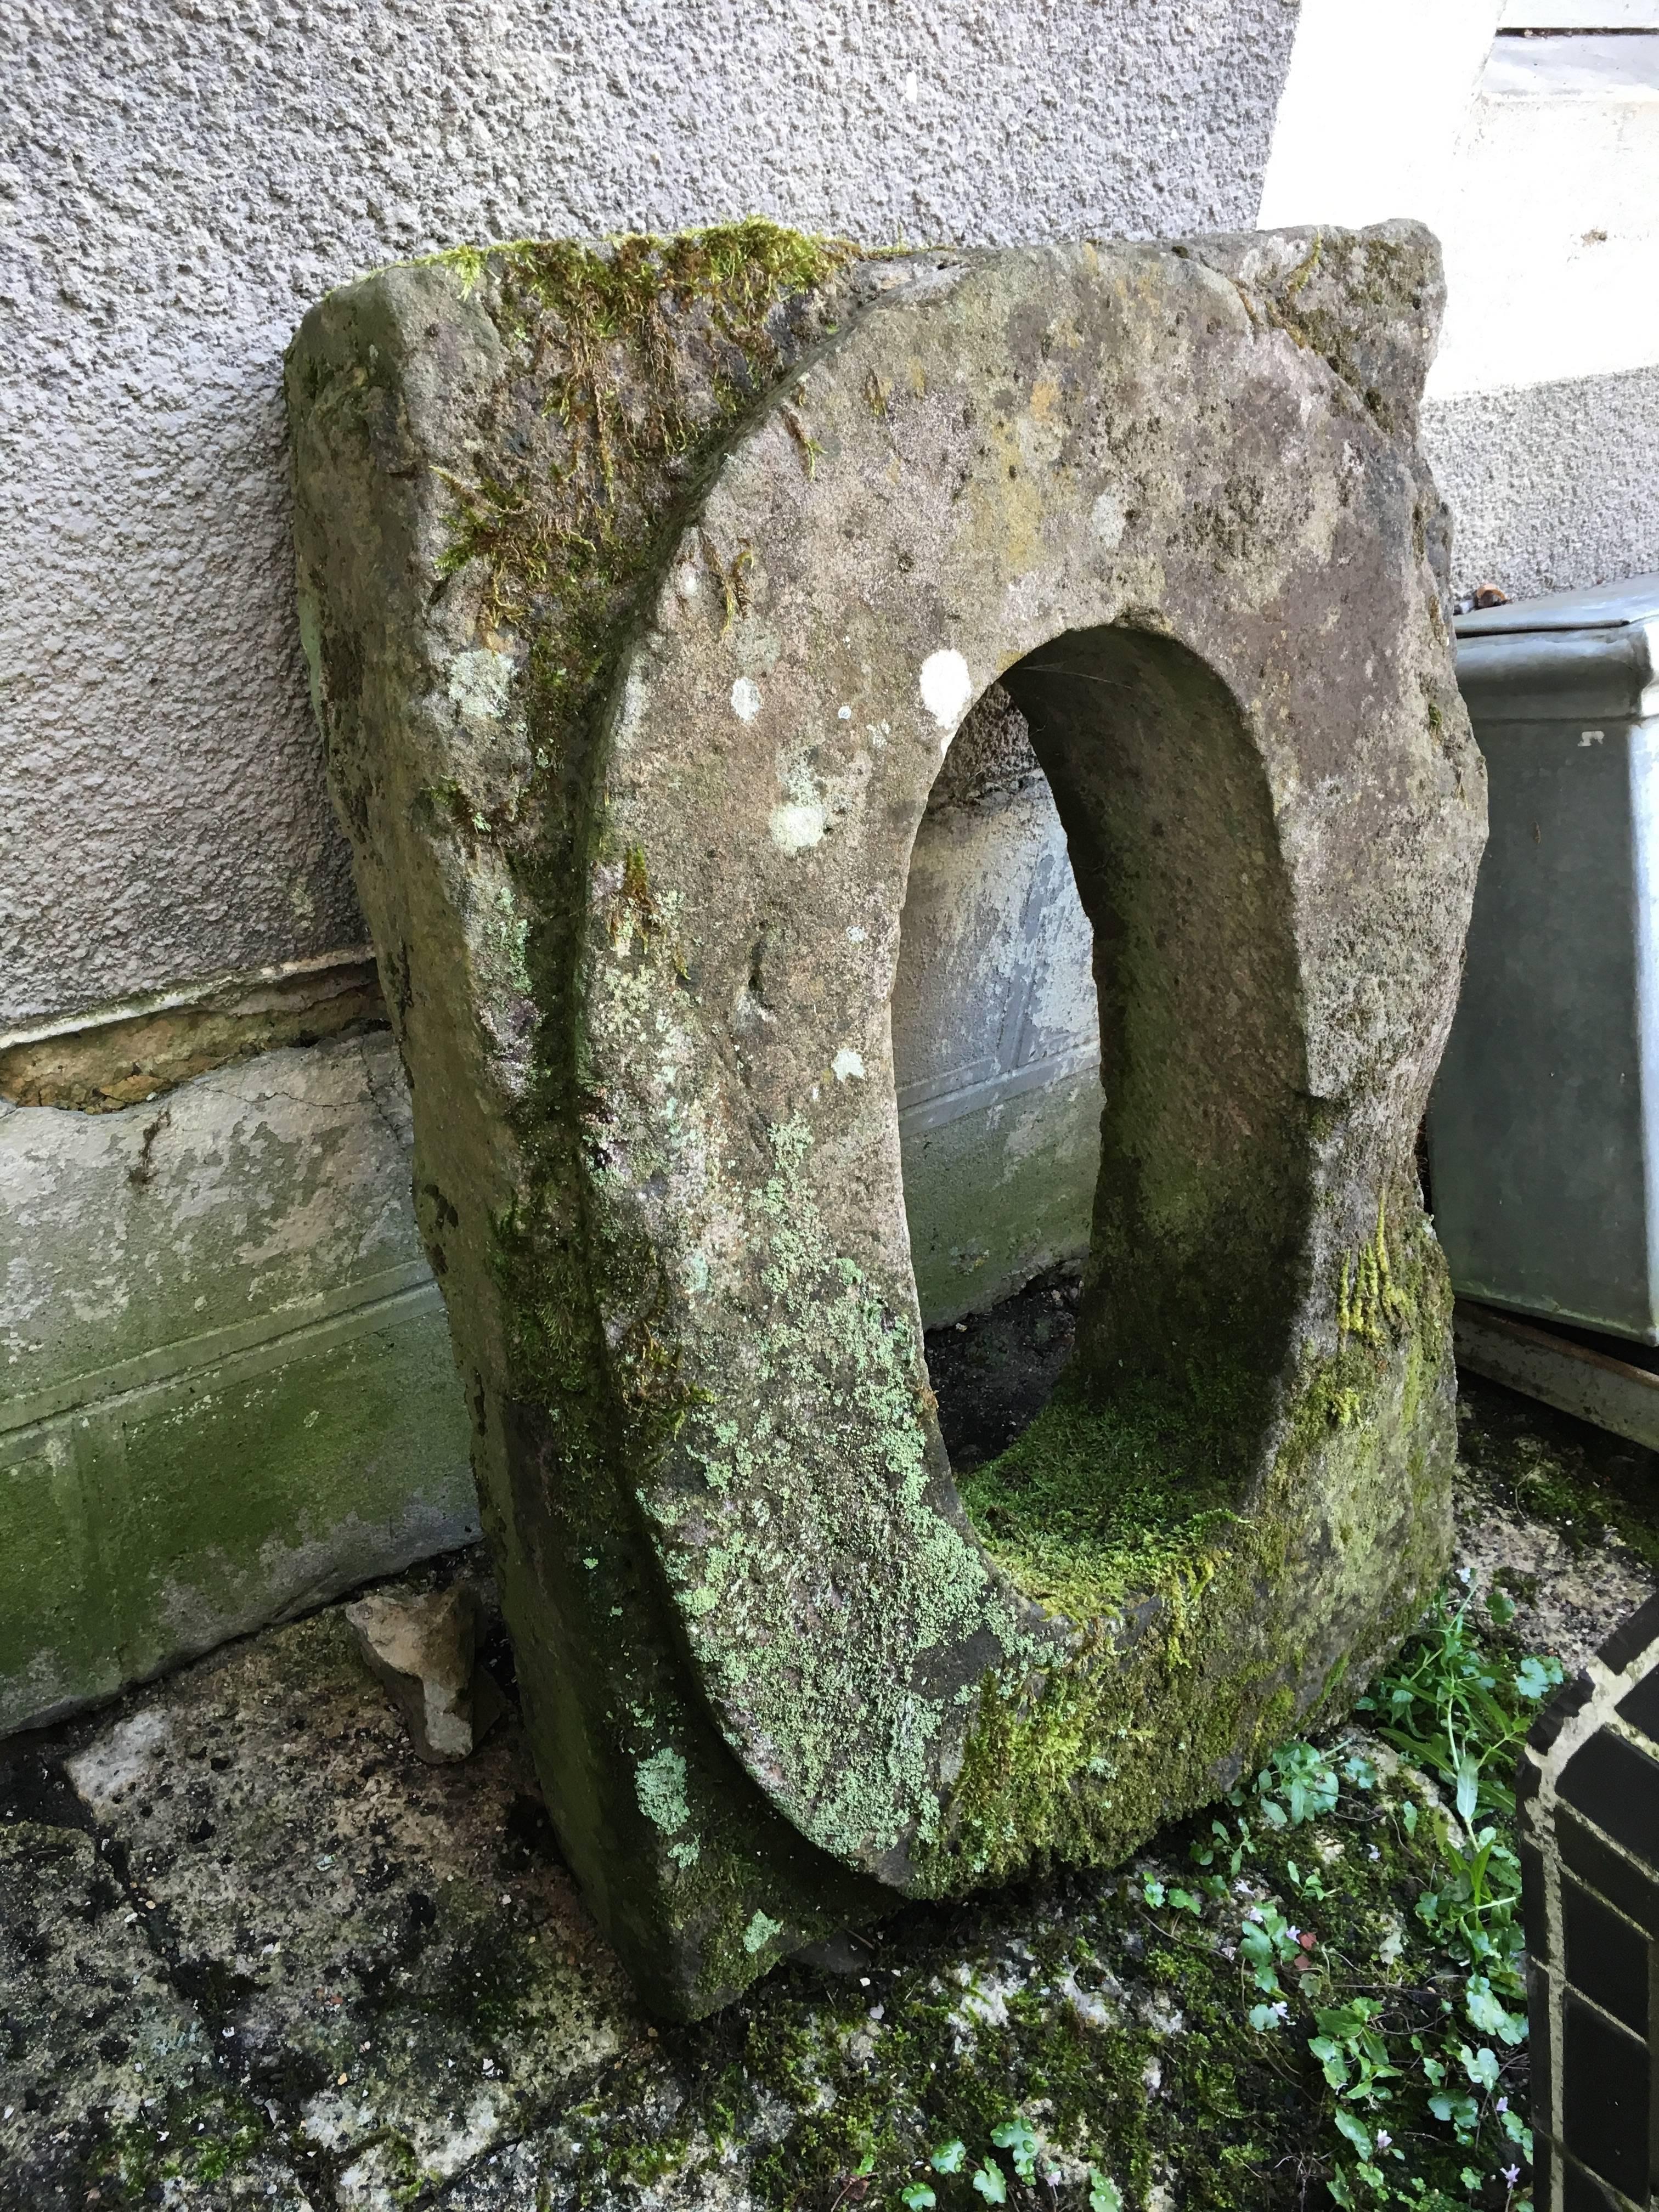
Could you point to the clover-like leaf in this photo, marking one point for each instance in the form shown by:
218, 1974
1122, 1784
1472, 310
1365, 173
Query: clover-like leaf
988, 2181
1356, 2131
1332, 2058
1490, 2017
1480, 2066
1015, 2137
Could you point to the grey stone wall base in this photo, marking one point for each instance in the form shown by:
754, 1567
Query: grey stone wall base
646, 590
229, 1394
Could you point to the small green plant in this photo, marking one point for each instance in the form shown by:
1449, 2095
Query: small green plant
1452, 1714
1391, 2036
1297, 1783
1015, 2136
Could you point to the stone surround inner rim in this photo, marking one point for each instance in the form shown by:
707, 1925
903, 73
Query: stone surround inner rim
1162, 802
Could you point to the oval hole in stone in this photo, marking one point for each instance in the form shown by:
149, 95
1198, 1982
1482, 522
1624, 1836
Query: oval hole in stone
996, 1047
1186, 1183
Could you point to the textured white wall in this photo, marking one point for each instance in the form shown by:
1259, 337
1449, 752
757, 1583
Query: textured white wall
1536, 159
1551, 233
1543, 421
1373, 108
179, 182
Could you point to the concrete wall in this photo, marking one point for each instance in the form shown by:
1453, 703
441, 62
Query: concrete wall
227, 1388
175, 188
180, 184
996, 1028
1536, 159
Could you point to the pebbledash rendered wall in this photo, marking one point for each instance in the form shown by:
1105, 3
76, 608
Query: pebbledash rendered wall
225, 1389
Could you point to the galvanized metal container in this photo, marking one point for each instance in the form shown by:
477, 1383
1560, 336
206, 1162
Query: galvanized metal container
1544, 1127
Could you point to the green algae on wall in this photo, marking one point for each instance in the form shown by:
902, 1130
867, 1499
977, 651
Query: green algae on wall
246, 1401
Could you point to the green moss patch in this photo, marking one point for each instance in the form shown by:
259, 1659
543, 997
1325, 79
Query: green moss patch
1584, 1481
663, 342
1297, 1998
1094, 1502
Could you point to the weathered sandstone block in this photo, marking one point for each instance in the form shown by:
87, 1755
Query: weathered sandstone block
644, 590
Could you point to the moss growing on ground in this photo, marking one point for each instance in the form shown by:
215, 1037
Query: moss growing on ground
1586, 1482
1296, 1998
201, 2136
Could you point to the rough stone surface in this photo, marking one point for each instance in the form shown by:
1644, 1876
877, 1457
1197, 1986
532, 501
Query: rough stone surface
367, 1969
424, 1650
1551, 485
174, 187
635, 675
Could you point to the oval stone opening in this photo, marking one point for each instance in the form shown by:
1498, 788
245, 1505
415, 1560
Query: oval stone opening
1142, 865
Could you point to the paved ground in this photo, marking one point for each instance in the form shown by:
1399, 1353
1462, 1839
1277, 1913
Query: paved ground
252, 1952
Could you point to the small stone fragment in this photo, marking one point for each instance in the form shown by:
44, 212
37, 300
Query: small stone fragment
423, 1650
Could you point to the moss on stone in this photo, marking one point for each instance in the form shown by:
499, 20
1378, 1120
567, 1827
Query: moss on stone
1193, 1626
729, 1530
664, 342
204, 2134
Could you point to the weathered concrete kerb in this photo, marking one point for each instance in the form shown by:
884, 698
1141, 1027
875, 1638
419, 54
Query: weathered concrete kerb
645, 589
